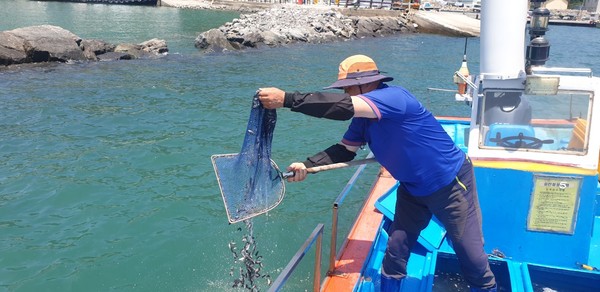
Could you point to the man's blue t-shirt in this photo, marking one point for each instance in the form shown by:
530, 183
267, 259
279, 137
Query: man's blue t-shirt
407, 140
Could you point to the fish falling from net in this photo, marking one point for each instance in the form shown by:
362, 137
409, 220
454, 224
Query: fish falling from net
249, 261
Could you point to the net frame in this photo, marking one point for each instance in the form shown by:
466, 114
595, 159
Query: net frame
250, 182
234, 215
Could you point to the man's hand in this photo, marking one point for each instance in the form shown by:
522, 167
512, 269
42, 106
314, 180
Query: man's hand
271, 97
299, 170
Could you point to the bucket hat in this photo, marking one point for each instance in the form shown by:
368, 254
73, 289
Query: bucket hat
358, 70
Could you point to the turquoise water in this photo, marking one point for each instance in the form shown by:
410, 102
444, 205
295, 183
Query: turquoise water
106, 179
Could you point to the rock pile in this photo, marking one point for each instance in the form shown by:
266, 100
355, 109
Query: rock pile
47, 43
290, 24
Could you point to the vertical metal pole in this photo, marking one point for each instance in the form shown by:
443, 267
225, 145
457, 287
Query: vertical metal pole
333, 247
334, 220
317, 276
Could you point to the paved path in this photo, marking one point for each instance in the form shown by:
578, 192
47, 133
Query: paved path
216, 4
191, 4
256, 6
447, 23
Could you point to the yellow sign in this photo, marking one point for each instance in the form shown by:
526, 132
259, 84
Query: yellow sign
554, 204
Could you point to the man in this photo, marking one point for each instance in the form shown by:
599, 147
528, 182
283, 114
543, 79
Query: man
435, 176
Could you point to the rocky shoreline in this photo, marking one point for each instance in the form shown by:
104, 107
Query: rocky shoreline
48, 43
303, 24
259, 25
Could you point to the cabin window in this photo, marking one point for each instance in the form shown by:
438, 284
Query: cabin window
547, 123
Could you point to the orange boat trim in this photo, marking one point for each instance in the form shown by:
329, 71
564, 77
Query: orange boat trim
356, 246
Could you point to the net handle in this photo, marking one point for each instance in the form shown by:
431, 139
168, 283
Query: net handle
332, 166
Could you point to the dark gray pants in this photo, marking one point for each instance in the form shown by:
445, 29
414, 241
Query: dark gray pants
457, 207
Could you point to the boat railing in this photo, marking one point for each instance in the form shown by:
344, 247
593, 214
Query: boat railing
315, 236
334, 220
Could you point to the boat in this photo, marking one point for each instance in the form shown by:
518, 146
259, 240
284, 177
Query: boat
534, 139
122, 2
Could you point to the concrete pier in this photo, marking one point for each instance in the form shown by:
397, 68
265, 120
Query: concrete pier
447, 23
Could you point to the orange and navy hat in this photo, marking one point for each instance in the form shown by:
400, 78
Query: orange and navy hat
358, 70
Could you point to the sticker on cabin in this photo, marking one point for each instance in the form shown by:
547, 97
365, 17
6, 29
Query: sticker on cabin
554, 204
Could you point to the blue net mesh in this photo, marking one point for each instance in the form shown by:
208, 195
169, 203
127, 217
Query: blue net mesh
250, 181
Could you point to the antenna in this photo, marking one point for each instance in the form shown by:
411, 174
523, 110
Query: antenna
465, 53
460, 76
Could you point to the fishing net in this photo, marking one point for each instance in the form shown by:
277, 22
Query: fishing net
250, 181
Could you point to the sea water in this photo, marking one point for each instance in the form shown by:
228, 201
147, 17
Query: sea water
106, 179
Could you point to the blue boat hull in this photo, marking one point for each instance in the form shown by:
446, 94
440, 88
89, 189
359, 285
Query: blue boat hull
522, 259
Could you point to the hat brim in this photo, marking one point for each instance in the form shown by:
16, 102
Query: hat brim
358, 81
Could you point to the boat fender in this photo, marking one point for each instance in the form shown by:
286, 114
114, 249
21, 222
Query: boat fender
334, 154
333, 106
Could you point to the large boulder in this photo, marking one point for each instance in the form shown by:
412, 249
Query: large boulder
12, 49
93, 48
366, 27
272, 39
97, 47
213, 40
43, 43
155, 46
134, 51
252, 38
48, 43
390, 25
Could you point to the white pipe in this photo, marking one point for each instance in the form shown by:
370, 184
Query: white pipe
502, 40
